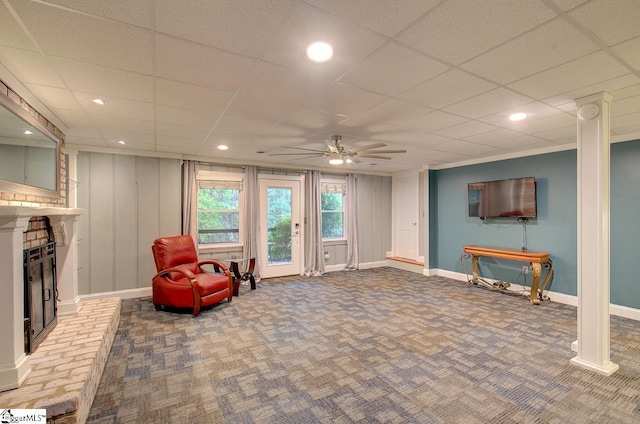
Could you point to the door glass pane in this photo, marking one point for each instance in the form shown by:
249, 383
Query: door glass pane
279, 225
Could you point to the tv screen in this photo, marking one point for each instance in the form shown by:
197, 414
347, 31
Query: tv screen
503, 199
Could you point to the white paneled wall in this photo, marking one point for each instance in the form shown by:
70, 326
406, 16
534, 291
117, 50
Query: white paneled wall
129, 202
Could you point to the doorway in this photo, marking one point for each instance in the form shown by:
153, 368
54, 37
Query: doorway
280, 214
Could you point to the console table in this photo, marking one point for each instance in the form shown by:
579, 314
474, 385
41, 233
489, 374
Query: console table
537, 260
247, 275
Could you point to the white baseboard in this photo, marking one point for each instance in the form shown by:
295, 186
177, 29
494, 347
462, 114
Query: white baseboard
122, 294
366, 265
565, 299
68, 307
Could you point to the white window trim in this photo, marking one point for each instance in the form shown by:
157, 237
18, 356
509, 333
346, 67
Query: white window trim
225, 176
343, 239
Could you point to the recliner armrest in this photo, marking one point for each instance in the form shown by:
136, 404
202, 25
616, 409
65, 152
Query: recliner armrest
180, 270
217, 265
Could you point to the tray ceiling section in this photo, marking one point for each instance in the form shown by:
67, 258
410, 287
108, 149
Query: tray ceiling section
438, 78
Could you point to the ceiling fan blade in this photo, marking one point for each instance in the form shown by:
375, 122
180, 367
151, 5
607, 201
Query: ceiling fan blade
374, 156
372, 146
302, 148
355, 160
298, 154
331, 144
375, 152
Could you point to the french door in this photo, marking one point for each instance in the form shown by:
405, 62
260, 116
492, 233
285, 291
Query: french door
281, 227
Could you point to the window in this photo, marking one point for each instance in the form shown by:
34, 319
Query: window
218, 210
332, 196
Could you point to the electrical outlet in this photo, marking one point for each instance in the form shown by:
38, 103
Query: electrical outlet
326, 255
525, 269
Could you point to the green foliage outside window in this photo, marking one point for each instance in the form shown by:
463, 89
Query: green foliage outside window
332, 215
218, 215
279, 224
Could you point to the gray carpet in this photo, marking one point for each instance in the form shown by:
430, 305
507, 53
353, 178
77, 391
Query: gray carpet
380, 345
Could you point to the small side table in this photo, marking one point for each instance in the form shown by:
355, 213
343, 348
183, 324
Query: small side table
247, 275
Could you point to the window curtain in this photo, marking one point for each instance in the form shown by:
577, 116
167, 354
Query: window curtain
251, 217
190, 199
314, 255
351, 214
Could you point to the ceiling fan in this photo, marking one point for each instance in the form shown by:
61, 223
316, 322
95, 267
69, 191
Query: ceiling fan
338, 154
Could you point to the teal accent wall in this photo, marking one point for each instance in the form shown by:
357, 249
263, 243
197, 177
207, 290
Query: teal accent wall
625, 230
555, 228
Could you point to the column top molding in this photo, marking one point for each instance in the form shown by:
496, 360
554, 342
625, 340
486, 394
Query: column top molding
596, 97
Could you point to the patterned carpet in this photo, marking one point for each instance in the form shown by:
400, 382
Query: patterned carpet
374, 346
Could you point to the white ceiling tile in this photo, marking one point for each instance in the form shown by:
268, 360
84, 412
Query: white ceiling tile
393, 69
11, 34
632, 130
180, 116
466, 147
625, 106
631, 91
120, 123
534, 111
628, 51
488, 103
591, 69
137, 12
78, 131
459, 30
559, 133
344, 99
466, 129
611, 21
32, 67
116, 106
448, 88
522, 143
307, 25
181, 131
493, 136
409, 137
86, 141
568, 4
622, 121
74, 119
434, 121
382, 16
179, 94
313, 119
623, 86
281, 84
131, 138
195, 64
243, 125
550, 45
263, 110
547, 123
96, 79
395, 112
290, 131
63, 33
54, 97
242, 26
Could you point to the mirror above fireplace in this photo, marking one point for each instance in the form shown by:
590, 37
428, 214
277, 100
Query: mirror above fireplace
29, 153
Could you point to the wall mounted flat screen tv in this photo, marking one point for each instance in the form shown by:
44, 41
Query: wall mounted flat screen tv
503, 198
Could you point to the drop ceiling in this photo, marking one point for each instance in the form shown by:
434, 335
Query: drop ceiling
437, 78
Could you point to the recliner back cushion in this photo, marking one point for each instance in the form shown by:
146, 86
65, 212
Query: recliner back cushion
174, 251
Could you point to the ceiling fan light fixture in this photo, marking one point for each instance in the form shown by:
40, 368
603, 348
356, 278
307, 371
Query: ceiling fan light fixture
336, 160
518, 116
348, 160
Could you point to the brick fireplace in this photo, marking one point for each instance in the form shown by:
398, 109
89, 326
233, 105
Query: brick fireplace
14, 222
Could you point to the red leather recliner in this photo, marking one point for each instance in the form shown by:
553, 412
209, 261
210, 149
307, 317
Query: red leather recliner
181, 281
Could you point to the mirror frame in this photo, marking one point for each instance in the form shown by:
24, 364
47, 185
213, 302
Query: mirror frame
13, 187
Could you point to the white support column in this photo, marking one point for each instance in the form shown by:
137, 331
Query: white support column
14, 363
593, 234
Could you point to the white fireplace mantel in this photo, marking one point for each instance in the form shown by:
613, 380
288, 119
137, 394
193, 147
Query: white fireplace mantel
14, 363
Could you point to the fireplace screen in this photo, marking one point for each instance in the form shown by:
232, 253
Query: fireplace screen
40, 294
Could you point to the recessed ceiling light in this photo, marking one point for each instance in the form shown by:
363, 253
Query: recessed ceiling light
122, 142
223, 147
99, 101
28, 132
320, 51
519, 116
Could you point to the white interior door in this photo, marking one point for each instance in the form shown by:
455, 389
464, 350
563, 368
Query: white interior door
281, 227
405, 189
